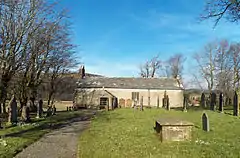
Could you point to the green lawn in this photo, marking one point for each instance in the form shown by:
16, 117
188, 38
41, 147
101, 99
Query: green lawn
128, 133
19, 137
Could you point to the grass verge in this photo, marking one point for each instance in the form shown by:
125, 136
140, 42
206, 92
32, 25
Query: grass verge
128, 133
19, 137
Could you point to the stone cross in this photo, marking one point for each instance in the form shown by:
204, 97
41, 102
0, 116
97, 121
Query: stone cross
221, 102
12, 117
141, 104
213, 98
205, 122
235, 104
203, 101
39, 108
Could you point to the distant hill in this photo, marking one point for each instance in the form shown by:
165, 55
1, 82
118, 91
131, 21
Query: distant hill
66, 86
199, 91
77, 75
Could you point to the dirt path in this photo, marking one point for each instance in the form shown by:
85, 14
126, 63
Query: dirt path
61, 143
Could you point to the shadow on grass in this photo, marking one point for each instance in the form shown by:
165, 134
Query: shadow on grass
54, 122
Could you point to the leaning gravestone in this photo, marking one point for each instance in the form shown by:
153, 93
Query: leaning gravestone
235, 104
221, 102
40, 109
12, 116
203, 101
205, 122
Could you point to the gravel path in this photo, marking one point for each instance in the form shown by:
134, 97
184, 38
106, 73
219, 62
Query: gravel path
61, 143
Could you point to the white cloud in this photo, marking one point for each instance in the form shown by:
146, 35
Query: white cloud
179, 32
111, 68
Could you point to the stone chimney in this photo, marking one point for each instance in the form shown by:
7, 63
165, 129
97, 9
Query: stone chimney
82, 72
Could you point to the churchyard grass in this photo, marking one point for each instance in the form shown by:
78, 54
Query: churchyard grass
129, 133
14, 139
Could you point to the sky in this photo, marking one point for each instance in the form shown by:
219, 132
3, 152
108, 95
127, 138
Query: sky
115, 36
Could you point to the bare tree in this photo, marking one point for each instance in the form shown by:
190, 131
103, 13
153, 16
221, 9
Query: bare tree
234, 53
223, 67
16, 25
206, 64
196, 80
60, 61
150, 68
38, 43
176, 67
218, 9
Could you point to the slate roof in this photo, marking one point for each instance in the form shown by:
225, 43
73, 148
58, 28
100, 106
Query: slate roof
129, 83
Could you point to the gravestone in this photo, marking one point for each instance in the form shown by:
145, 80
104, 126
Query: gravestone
168, 106
122, 102
235, 104
205, 122
39, 108
203, 101
115, 102
185, 104
128, 103
141, 104
67, 108
221, 102
164, 100
158, 102
213, 98
12, 112
106, 107
26, 112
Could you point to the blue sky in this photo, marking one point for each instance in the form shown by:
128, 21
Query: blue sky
116, 36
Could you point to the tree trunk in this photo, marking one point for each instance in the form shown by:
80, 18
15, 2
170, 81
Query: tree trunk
50, 95
0, 108
52, 101
3, 96
4, 107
